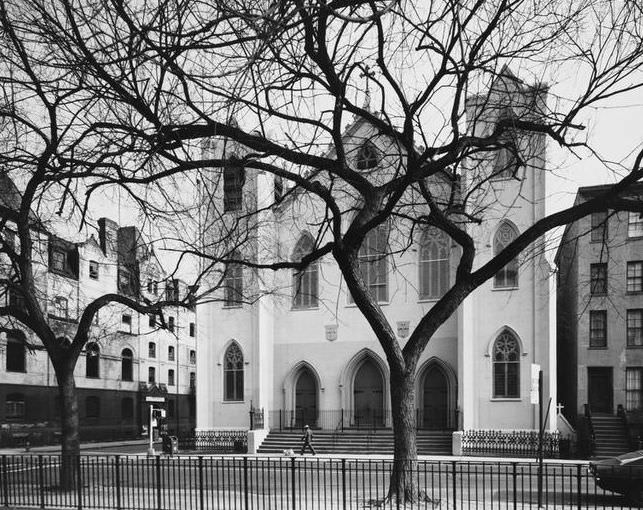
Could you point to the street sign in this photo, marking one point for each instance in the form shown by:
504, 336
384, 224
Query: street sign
154, 399
533, 394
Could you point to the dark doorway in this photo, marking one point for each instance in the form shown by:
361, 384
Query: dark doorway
600, 390
434, 410
368, 395
306, 400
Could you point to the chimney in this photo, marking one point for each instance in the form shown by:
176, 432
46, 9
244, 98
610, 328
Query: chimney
107, 235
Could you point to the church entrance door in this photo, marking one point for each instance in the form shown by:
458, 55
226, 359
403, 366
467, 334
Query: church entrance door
434, 410
306, 400
368, 396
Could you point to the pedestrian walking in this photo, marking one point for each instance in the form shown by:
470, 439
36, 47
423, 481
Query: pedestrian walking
308, 440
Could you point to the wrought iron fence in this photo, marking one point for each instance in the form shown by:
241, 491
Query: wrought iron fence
262, 483
215, 441
513, 443
363, 419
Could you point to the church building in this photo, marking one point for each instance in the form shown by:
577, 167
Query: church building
294, 344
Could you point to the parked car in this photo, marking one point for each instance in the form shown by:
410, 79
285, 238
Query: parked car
622, 474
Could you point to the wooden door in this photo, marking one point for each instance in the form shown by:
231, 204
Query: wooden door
600, 389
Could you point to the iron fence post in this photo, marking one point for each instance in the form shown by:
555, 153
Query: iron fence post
5, 481
200, 482
79, 483
281, 427
252, 419
579, 483
117, 469
342, 420
245, 483
515, 488
41, 481
292, 484
158, 483
344, 484
454, 482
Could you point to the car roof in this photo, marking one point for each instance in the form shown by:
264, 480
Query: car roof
630, 457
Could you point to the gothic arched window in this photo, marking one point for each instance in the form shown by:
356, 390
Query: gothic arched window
305, 292
507, 277
373, 264
506, 366
234, 177
367, 156
434, 264
233, 373
92, 360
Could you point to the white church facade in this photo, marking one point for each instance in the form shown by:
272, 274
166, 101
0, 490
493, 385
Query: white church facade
303, 353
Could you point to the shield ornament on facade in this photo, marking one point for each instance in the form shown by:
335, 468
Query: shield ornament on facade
403, 329
331, 332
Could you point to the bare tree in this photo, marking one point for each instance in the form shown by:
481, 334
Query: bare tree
281, 80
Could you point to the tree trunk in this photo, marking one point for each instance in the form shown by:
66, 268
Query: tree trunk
70, 441
403, 486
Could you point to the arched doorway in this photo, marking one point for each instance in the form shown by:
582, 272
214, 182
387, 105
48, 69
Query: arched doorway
368, 395
435, 398
306, 399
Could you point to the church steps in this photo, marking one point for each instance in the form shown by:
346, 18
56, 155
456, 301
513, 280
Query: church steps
356, 442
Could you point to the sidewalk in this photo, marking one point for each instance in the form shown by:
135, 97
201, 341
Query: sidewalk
94, 448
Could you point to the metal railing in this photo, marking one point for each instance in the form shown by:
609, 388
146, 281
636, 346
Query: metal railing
288, 483
514, 443
342, 419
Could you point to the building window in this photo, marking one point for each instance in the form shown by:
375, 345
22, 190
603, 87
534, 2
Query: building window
151, 375
127, 362
152, 320
92, 360
634, 388
598, 278
635, 225
192, 329
193, 357
58, 258
151, 350
507, 277
635, 328
599, 226
233, 284
506, 162
635, 276
192, 380
16, 355
170, 377
233, 373
61, 307
367, 157
373, 263
279, 188
14, 406
434, 264
170, 353
172, 290
506, 366
305, 291
92, 407
234, 178
170, 323
126, 323
93, 270
127, 409
598, 328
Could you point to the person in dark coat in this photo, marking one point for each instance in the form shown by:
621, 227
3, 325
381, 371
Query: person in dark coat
307, 439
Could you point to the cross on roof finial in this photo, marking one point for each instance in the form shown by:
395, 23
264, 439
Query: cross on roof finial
367, 100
